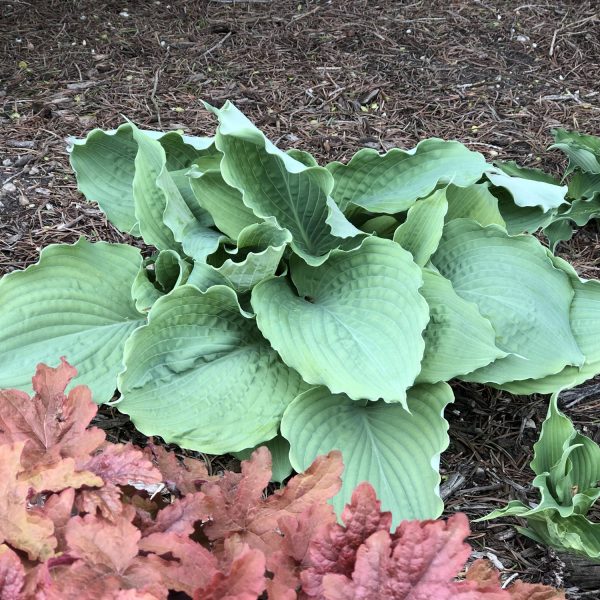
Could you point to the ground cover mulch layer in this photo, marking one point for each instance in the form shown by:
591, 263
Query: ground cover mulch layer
329, 77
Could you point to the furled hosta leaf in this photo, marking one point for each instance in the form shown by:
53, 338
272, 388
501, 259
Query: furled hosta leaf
382, 226
394, 450
353, 324
144, 290
392, 182
515, 285
473, 202
274, 184
531, 192
586, 329
458, 339
104, 165
583, 151
279, 448
76, 301
222, 201
201, 375
420, 234
204, 276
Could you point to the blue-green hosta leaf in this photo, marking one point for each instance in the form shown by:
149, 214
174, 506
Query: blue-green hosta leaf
515, 285
530, 193
458, 339
396, 451
586, 329
275, 185
201, 375
583, 151
584, 186
76, 301
558, 231
519, 219
353, 324
383, 226
144, 290
574, 534
420, 234
512, 169
204, 276
279, 448
473, 202
104, 163
223, 202
392, 182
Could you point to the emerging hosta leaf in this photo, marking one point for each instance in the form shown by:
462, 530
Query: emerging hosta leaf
76, 301
392, 182
201, 375
353, 324
273, 184
473, 202
380, 443
458, 339
515, 285
531, 192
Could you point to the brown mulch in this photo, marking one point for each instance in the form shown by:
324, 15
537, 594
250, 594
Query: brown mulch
329, 77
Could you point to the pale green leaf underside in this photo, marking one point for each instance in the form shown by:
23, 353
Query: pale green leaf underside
531, 193
356, 326
392, 182
583, 151
458, 339
273, 184
75, 302
396, 451
420, 234
200, 374
515, 286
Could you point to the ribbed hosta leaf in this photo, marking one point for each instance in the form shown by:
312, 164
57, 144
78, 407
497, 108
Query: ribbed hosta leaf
279, 448
222, 201
583, 151
515, 285
392, 182
200, 374
75, 302
396, 451
473, 202
353, 324
273, 184
458, 339
420, 234
585, 325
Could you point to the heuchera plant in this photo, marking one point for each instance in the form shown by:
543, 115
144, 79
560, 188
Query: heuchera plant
331, 303
567, 468
82, 518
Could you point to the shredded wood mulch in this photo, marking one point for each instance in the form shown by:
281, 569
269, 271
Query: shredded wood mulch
329, 77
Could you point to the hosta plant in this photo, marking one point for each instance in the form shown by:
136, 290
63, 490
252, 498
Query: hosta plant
567, 468
85, 519
312, 308
574, 201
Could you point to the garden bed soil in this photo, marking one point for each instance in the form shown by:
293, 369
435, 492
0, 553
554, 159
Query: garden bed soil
329, 77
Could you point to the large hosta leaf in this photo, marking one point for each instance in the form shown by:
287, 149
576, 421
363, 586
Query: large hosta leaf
473, 202
353, 324
200, 374
515, 285
585, 325
275, 185
458, 339
392, 182
76, 301
396, 451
